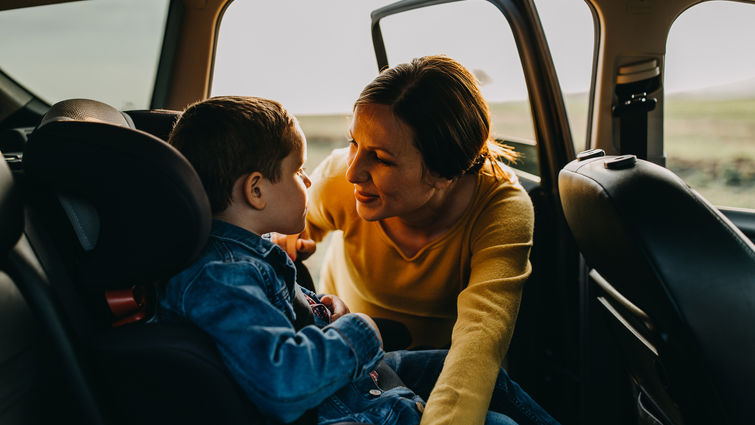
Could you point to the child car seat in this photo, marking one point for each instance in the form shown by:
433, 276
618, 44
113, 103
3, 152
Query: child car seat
113, 208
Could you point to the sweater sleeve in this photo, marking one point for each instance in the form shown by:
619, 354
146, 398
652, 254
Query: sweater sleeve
487, 308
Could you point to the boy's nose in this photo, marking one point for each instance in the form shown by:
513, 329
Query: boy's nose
307, 181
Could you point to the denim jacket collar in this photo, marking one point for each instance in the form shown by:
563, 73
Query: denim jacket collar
255, 243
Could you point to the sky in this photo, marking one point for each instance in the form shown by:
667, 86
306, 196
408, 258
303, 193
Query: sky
315, 57
311, 78
332, 58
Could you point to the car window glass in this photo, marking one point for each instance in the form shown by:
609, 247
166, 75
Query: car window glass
478, 35
709, 106
570, 30
102, 50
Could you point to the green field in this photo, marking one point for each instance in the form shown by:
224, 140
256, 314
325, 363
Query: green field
711, 145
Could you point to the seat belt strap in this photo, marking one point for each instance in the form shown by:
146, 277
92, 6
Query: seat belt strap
633, 124
632, 105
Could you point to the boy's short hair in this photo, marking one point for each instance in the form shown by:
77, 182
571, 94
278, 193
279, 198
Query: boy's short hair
226, 137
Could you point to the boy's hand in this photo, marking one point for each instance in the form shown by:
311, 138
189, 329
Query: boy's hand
295, 246
374, 325
336, 306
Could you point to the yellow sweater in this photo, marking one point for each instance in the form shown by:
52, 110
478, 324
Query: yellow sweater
463, 288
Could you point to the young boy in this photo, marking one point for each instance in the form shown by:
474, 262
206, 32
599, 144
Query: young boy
242, 291
290, 350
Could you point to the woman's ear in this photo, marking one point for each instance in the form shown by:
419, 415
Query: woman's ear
441, 183
253, 192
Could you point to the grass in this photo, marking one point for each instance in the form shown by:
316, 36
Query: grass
711, 145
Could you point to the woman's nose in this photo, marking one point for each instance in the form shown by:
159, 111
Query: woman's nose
307, 181
355, 173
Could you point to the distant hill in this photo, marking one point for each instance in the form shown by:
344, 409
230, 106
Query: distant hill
744, 89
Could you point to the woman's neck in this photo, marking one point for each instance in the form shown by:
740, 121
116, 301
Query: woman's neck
414, 231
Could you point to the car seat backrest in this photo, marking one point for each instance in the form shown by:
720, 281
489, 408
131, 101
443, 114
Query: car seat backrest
36, 381
686, 270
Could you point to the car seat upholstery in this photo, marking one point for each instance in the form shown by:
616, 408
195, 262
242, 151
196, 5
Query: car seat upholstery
676, 281
39, 381
111, 207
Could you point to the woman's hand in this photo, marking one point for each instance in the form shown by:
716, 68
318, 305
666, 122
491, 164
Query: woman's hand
295, 246
336, 306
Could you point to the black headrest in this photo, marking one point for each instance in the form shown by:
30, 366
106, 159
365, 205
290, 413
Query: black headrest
158, 122
674, 255
11, 210
135, 203
86, 110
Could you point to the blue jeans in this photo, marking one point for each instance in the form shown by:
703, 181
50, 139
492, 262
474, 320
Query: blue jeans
509, 405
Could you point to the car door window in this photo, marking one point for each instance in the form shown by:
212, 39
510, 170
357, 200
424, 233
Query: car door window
476, 34
570, 30
102, 50
709, 110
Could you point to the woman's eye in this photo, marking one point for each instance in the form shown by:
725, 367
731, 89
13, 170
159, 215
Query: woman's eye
380, 159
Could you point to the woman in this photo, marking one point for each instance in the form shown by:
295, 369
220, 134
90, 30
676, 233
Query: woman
436, 232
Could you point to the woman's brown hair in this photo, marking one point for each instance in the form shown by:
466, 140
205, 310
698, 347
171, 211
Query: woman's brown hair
441, 101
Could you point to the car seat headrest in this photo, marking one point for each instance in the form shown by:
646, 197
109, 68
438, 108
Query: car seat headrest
135, 204
158, 122
11, 210
86, 110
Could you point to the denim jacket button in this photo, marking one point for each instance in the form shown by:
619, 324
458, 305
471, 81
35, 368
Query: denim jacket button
375, 392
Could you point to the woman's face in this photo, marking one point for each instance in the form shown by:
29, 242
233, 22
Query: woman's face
385, 167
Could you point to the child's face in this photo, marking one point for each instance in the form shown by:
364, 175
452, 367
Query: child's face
288, 198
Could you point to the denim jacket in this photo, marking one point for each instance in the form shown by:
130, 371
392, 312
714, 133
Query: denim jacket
240, 292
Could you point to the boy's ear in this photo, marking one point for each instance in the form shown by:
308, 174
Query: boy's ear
253, 192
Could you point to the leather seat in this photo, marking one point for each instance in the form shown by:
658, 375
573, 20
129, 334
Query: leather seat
676, 281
